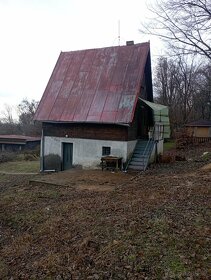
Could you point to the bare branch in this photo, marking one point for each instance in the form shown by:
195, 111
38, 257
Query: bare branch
182, 23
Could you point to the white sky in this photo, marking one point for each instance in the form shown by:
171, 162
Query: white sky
33, 32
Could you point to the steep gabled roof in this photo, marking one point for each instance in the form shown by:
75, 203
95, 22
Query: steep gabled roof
96, 85
199, 123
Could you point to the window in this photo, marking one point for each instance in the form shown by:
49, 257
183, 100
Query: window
106, 151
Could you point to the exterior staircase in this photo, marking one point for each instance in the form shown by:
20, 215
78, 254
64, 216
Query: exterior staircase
141, 155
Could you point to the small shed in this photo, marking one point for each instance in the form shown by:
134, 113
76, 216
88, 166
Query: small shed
14, 143
200, 128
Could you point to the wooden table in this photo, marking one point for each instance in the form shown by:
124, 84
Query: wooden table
107, 162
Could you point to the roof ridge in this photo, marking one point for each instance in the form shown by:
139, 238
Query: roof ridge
80, 50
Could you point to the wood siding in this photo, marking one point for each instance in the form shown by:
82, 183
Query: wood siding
86, 131
199, 131
143, 119
138, 129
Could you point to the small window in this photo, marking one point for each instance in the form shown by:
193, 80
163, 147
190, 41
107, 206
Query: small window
106, 151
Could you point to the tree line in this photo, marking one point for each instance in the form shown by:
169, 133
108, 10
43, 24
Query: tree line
182, 77
25, 124
183, 85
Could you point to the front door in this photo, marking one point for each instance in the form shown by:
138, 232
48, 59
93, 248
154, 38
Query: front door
67, 155
142, 123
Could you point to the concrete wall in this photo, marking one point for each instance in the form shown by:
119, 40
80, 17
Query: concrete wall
160, 147
130, 147
87, 152
159, 150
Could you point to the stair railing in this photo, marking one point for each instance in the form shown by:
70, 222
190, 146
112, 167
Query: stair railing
129, 160
148, 149
149, 146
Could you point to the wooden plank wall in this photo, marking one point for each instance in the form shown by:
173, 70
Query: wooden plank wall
87, 131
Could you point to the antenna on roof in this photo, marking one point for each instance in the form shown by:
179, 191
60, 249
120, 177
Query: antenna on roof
119, 32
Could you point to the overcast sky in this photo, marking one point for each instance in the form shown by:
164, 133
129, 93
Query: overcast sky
34, 32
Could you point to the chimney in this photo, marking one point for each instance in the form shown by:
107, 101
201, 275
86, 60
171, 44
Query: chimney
129, 43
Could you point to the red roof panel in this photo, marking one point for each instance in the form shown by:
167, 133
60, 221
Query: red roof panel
97, 85
19, 137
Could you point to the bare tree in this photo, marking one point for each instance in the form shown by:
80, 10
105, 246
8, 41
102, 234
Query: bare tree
202, 97
26, 111
7, 124
25, 124
175, 85
185, 25
6, 114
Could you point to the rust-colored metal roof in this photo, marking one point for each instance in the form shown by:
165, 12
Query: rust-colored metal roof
200, 123
14, 137
95, 85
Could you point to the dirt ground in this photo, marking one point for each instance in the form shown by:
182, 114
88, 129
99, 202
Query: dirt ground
89, 224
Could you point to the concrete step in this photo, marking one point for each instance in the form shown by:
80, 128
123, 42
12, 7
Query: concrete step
141, 147
137, 161
140, 155
144, 148
137, 154
142, 141
136, 167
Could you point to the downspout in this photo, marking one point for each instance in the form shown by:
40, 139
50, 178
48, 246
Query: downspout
42, 153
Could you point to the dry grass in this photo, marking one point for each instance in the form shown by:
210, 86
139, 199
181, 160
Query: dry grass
154, 227
20, 166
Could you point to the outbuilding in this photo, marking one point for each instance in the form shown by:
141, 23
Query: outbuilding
200, 128
14, 143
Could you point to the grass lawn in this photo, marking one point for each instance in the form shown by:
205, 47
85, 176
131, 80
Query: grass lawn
169, 145
20, 166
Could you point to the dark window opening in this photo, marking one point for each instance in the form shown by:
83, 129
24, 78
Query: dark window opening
106, 151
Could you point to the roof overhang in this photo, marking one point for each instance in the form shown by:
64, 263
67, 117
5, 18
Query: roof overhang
12, 142
85, 122
161, 115
156, 107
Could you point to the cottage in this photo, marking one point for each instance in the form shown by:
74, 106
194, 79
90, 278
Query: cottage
99, 102
200, 128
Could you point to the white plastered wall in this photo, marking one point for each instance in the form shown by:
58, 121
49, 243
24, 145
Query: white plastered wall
159, 150
88, 152
130, 147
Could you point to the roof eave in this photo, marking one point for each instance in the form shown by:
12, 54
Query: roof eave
83, 122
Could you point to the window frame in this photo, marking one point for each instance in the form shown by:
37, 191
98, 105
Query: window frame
106, 150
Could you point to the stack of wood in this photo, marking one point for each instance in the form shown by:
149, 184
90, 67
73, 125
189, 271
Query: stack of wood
183, 139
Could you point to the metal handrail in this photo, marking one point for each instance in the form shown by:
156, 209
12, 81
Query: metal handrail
151, 139
147, 148
129, 160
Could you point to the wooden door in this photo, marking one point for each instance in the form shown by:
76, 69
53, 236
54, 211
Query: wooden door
67, 155
142, 123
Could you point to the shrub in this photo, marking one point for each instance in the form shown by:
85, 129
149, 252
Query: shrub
30, 157
5, 157
31, 154
52, 162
